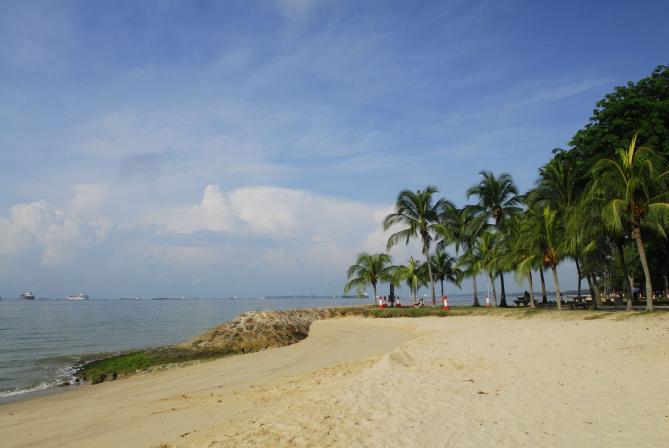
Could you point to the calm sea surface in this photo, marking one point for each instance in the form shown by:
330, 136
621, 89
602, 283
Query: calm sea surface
41, 340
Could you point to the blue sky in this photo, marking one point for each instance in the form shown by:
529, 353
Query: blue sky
252, 148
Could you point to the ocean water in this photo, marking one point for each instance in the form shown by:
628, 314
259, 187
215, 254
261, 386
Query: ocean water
42, 340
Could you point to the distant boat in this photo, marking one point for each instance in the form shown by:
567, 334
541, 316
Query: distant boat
80, 296
130, 298
28, 295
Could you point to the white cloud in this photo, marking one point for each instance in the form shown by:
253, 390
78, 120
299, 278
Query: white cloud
273, 231
56, 233
275, 212
213, 212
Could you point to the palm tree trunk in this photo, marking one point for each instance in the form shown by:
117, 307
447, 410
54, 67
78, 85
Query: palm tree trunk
374, 299
502, 301
597, 297
623, 266
592, 291
476, 295
442, 287
429, 271
646, 271
494, 290
666, 286
558, 296
578, 272
544, 297
529, 277
631, 301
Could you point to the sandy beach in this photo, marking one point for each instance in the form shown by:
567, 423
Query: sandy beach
546, 380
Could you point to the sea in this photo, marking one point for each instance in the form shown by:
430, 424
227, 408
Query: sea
43, 341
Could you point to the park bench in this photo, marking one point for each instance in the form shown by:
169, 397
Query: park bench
579, 303
521, 301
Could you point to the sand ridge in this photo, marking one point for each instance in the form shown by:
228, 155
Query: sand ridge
476, 381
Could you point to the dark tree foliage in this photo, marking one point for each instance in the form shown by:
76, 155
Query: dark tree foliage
641, 107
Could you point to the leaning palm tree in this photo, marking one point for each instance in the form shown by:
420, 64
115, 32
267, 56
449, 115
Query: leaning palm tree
369, 269
419, 214
444, 269
634, 187
498, 199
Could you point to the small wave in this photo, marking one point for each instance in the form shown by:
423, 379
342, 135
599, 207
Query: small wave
14, 392
67, 376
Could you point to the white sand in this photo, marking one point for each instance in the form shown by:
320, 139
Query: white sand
460, 381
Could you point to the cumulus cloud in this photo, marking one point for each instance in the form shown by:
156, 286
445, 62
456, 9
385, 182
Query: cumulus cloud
272, 232
213, 213
56, 233
293, 228
276, 212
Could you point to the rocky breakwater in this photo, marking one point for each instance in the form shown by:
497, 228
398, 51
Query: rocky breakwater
259, 330
248, 332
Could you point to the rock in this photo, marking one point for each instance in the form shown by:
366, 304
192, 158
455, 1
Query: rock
258, 330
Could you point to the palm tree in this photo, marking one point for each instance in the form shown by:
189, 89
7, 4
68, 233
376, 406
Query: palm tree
460, 228
588, 221
486, 250
594, 263
559, 187
544, 296
550, 236
635, 191
369, 269
412, 274
443, 269
497, 200
521, 248
470, 265
420, 215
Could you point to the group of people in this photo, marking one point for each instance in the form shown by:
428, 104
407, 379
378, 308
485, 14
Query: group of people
391, 300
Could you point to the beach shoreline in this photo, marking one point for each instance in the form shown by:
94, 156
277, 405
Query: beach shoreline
294, 322
479, 379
